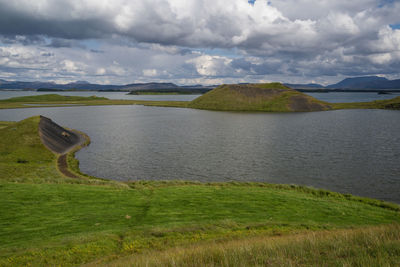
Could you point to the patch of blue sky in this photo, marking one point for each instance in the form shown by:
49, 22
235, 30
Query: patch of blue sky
395, 26
251, 2
92, 44
383, 3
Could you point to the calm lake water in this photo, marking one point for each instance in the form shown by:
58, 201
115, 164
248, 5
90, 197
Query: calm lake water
349, 151
340, 97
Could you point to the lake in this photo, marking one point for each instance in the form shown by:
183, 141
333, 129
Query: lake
343, 97
349, 151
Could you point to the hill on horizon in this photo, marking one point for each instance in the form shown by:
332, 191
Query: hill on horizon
270, 97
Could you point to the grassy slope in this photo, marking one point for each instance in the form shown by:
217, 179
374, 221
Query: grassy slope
4, 124
225, 97
23, 158
48, 220
50, 223
372, 246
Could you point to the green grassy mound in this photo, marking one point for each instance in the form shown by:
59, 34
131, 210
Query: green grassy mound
23, 157
270, 97
47, 219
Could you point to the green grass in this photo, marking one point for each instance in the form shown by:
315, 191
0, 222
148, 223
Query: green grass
270, 97
23, 158
54, 100
51, 98
372, 246
48, 219
103, 221
4, 124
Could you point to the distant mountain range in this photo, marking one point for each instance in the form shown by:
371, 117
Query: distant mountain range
357, 83
84, 85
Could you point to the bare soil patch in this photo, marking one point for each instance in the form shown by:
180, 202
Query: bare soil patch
302, 103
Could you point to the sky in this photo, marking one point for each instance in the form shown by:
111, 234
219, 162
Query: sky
198, 41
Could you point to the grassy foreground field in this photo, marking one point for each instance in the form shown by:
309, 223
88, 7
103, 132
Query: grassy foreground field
373, 246
49, 219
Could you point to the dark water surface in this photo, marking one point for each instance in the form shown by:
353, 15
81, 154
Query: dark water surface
349, 151
348, 97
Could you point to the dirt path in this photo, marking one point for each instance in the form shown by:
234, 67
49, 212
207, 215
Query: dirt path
63, 166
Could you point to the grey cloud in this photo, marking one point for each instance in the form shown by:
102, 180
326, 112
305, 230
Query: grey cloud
287, 37
22, 39
15, 22
58, 43
259, 29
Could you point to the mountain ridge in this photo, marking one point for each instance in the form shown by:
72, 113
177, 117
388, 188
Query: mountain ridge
354, 83
84, 85
362, 82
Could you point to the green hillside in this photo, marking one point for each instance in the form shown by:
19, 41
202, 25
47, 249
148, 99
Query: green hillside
269, 97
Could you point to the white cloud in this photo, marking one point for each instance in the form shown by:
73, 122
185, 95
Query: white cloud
383, 58
101, 71
69, 66
210, 65
150, 72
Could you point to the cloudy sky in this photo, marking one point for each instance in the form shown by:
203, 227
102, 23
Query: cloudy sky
198, 41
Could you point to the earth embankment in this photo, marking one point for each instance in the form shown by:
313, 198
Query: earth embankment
56, 138
60, 141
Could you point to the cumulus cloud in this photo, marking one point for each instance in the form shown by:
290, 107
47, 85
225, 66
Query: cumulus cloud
207, 65
202, 39
150, 72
